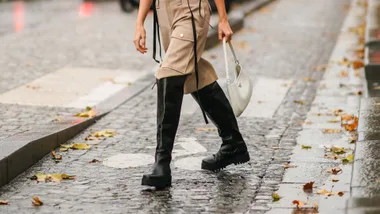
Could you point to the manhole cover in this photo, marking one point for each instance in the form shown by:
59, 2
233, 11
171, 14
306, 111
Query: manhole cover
190, 163
128, 160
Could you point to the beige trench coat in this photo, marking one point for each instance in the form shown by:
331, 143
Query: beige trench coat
174, 19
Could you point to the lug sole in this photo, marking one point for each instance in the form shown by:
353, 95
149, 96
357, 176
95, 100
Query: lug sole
238, 159
158, 182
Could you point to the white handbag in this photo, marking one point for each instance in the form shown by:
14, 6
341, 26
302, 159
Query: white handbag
239, 89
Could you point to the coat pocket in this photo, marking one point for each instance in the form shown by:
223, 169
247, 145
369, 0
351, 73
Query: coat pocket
180, 52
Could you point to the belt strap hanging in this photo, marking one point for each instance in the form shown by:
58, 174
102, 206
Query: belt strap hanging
196, 60
156, 33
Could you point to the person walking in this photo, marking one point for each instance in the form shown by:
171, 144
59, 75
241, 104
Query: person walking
184, 26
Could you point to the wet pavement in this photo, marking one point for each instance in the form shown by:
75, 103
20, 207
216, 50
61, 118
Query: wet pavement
278, 48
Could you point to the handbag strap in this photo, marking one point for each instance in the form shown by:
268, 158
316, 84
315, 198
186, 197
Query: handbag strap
226, 58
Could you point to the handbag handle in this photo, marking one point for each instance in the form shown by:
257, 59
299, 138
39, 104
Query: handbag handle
226, 58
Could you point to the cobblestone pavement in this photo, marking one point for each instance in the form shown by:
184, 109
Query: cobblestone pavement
32, 45
15, 119
291, 38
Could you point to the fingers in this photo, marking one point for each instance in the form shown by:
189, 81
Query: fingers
140, 45
229, 36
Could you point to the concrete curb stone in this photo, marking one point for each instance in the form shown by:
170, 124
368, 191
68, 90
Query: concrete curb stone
21, 151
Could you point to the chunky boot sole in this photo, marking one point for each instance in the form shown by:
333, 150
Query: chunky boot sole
159, 182
237, 159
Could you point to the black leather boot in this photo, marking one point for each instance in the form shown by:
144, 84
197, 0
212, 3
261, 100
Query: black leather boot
217, 107
169, 101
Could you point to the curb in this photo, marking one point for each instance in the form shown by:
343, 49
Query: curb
21, 151
365, 188
372, 50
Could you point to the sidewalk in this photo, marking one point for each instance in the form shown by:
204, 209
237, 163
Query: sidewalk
113, 185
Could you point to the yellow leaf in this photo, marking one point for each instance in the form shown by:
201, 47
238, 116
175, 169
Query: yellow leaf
308, 79
64, 149
299, 102
334, 120
80, 146
275, 197
36, 201
68, 177
88, 113
105, 133
338, 150
306, 147
348, 159
3, 202
331, 131
325, 192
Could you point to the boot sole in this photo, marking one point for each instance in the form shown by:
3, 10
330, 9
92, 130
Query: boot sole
238, 159
157, 182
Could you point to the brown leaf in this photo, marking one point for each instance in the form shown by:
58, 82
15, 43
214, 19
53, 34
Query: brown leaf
357, 93
352, 140
287, 166
357, 64
349, 122
68, 177
335, 170
55, 156
315, 206
335, 180
94, 161
308, 186
36, 201
206, 129
299, 203
337, 111
340, 194
343, 73
3, 202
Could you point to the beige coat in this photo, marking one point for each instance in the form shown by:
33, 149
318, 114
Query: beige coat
174, 19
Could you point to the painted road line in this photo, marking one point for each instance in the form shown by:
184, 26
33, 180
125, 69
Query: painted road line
71, 87
267, 96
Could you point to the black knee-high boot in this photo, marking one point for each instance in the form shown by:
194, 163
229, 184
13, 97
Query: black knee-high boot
217, 107
169, 101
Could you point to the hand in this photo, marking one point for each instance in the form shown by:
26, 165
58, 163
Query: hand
224, 30
140, 39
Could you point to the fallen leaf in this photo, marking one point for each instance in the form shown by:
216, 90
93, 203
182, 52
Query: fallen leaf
338, 150
206, 129
80, 146
55, 156
58, 119
64, 149
320, 67
348, 159
337, 120
349, 122
308, 79
308, 186
299, 102
299, 203
36, 201
39, 177
91, 138
335, 170
337, 111
287, 166
105, 133
68, 177
340, 194
275, 197
333, 156
306, 147
343, 73
357, 64
315, 206
305, 123
94, 161
90, 112
3, 202
325, 192
335, 180
357, 73
344, 62
276, 147
358, 93
352, 140
331, 131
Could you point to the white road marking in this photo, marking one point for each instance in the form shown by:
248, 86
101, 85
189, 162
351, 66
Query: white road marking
267, 96
190, 163
189, 146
